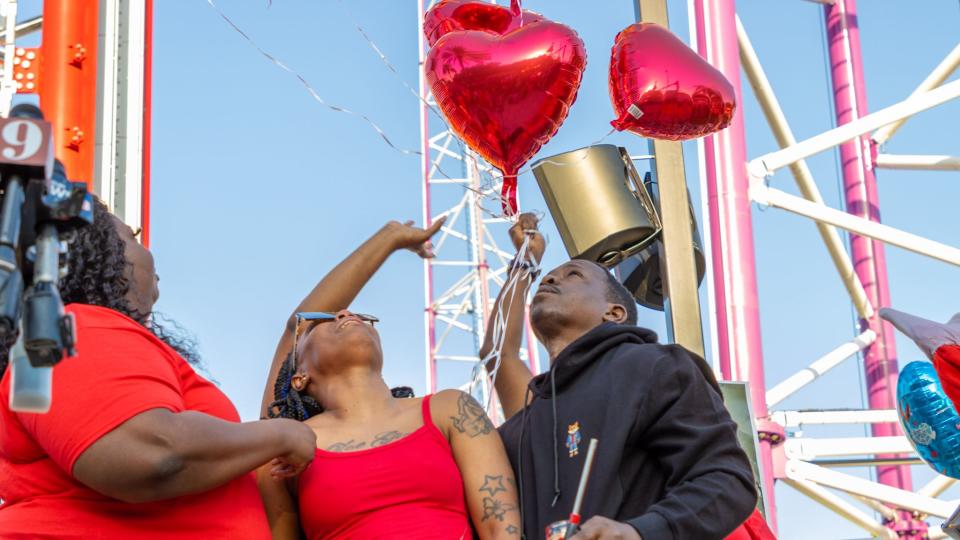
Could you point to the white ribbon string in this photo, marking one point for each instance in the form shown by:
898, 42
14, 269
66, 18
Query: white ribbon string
498, 338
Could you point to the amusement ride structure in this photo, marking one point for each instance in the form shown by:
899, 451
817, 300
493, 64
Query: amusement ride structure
92, 73
460, 290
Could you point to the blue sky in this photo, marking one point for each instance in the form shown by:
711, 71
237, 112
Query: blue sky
258, 190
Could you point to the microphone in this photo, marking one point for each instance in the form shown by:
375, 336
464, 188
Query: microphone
31, 388
26, 163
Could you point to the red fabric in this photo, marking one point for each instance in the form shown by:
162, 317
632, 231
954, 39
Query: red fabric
754, 528
410, 488
946, 360
121, 370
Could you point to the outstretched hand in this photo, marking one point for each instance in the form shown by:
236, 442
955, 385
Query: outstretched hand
406, 236
526, 225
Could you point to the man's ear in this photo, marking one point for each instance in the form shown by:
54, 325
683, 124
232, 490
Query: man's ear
615, 314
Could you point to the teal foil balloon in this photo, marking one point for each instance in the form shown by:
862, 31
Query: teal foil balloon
929, 419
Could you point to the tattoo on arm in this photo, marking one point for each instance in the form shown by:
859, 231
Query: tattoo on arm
471, 418
513, 530
495, 508
493, 485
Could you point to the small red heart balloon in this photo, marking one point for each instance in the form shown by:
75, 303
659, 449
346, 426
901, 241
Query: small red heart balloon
452, 15
506, 96
661, 88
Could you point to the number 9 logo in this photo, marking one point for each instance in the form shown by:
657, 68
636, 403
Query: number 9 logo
21, 135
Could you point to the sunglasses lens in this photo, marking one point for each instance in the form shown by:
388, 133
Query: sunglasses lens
320, 316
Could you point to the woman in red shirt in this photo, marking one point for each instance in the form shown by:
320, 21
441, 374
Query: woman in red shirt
136, 444
384, 467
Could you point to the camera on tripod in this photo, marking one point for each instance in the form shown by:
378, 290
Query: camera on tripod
41, 209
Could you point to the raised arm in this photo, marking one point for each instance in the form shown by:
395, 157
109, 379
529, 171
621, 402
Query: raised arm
513, 375
338, 288
159, 454
488, 480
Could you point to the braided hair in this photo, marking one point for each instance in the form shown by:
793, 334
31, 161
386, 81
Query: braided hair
97, 276
291, 403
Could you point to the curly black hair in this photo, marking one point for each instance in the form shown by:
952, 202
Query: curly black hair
97, 276
290, 403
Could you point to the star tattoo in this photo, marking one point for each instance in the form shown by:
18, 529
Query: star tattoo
493, 485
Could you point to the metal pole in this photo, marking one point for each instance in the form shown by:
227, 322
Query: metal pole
842, 507
478, 254
860, 193
147, 121
678, 266
68, 92
766, 164
25, 28
856, 224
818, 368
8, 86
731, 232
429, 316
784, 135
935, 79
918, 163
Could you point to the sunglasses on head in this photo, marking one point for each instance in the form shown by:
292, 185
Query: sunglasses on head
326, 316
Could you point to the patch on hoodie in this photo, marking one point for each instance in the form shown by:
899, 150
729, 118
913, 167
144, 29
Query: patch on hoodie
573, 439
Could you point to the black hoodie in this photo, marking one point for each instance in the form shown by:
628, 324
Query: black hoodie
668, 461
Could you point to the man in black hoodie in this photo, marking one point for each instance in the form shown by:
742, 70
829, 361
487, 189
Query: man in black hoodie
668, 465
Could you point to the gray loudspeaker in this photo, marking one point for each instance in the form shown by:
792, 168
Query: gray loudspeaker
640, 273
606, 213
598, 202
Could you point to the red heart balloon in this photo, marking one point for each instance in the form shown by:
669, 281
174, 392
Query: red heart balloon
506, 96
661, 88
453, 15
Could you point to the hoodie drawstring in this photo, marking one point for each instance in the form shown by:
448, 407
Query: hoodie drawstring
523, 428
556, 437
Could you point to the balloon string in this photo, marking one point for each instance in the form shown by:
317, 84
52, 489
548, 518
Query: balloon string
307, 85
509, 194
484, 194
507, 199
386, 62
499, 324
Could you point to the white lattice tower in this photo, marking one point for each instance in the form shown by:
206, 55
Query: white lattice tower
461, 283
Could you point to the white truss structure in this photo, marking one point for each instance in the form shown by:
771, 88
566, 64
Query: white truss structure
461, 283
8, 86
470, 266
810, 464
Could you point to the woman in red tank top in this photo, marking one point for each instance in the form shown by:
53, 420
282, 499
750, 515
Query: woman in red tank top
385, 467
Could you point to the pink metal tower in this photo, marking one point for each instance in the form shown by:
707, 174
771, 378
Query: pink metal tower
888, 507
808, 464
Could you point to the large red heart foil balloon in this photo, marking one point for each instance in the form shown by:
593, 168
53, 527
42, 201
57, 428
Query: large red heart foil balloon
506, 96
660, 88
453, 15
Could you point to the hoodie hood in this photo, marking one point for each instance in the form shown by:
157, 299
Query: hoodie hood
590, 347
584, 351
